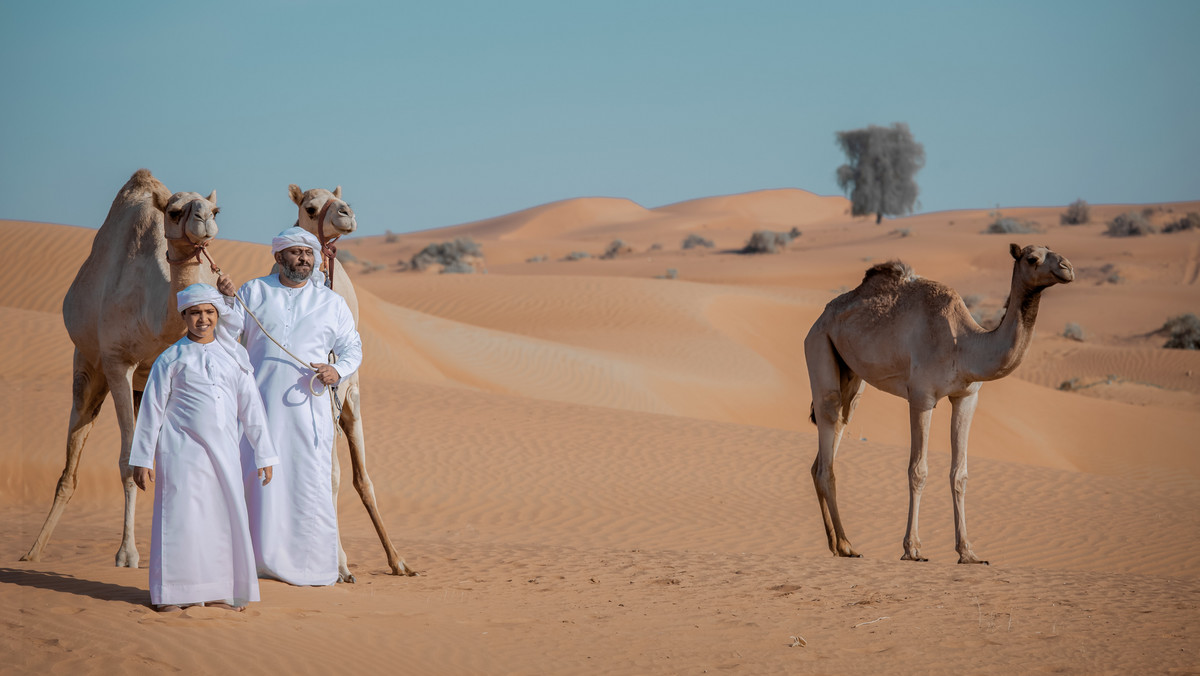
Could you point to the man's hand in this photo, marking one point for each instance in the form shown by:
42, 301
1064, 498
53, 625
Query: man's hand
265, 473
326, 373
141, 474
225, 286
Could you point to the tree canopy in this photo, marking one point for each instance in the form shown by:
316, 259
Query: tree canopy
879, 176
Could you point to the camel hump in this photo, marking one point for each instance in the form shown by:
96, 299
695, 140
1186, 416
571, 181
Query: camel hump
143, 180
892, 271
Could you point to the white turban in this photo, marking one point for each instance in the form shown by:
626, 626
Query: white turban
295, 236
198, 294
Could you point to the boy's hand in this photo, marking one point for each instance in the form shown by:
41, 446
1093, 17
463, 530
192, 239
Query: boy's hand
265, 473
225, 286
140, 474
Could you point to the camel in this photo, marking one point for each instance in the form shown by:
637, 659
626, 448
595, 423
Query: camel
326, 215
914, 338
120, 313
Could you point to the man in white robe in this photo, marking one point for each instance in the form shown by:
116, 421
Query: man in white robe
197, 392
294, 525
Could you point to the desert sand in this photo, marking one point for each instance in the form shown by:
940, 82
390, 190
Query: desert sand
598, 470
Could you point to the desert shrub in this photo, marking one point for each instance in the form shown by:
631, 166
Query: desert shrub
972, 300
1185, 224
1183, 332
345, 257
577, 256
390, 237
672, 273
538, 259
1073, 331
902, 232
458, 268
693, 240
1077, 213
769, 241
655, 247
616, 248
1006, 226
446, 253
1131, 224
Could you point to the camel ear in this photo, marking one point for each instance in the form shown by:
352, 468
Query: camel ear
337, 192
295, 193
212, 197
1015, 251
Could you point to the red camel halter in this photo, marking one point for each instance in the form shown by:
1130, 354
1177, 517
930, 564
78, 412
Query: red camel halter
328, 248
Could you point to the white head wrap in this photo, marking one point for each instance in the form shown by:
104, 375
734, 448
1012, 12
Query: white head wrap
295, 236
298, 236
198, 294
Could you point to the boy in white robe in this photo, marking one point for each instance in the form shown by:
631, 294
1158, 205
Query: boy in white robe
198, 391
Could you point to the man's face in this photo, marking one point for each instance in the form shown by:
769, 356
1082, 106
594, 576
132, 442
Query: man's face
201, 320
296, 262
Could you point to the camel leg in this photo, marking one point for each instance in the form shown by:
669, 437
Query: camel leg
833, 400
351, 422
919, 413
88, 389
344, 574
960, 429
120, 382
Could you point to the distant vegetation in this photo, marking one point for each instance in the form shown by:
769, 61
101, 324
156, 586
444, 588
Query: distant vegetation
1073, 331
1076, 214
1183, 332
577, 256
768, 241
1007, 226
1130, 224
1185, 224
881, 172
616, 248
455, 256
693, 240
672, 273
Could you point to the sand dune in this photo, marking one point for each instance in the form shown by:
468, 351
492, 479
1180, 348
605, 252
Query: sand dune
601, 471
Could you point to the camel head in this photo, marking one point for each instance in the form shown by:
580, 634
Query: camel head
192, 217
338, 218
1039, 268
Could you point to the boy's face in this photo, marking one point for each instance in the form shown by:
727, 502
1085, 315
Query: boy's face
201, 321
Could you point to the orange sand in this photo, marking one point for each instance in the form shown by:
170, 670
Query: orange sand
597, 471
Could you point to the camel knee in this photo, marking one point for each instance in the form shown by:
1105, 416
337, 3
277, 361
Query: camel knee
958, 483
917, 477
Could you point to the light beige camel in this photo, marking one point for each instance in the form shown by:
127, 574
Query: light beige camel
326, 215
914, 338
121, 313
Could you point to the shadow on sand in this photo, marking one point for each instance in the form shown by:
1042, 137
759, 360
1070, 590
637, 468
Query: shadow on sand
104, 591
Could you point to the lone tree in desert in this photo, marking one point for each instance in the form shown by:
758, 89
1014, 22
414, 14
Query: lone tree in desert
915, 338
326, 215
121, 313
880, 173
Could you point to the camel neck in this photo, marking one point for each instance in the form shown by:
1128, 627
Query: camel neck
994, 354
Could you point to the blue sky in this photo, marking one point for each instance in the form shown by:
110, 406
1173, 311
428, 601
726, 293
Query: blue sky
437, 113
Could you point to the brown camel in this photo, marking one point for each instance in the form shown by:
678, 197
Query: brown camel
914, 338
121, 314
326, 215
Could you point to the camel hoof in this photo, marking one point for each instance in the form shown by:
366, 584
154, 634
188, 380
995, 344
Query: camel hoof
973, 559
125, 559
916, 557
347, 578
403, 570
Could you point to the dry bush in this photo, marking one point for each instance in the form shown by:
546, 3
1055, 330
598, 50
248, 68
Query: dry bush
1076, 214
1183, 332
768, 241
1011, 226
577, 256
693, 240
1185, 224
1131, 224
454, 253
1073, 331
616, 248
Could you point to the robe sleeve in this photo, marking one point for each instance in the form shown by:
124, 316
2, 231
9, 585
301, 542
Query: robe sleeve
348, 345
151, 415
253, 417
233, 318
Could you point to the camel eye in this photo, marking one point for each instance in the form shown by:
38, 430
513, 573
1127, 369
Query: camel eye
311, 210
174, 214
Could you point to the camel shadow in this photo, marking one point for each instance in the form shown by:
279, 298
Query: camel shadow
104, 591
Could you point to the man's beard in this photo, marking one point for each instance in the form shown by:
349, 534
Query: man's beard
294, 273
